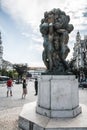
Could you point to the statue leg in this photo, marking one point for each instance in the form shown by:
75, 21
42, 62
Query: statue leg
44, 57
50, 61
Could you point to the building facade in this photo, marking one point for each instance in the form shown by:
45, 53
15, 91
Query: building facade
80, 52
1, 52
3, 63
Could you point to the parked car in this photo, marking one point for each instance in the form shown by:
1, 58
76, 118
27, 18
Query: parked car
83, 84
18, 82
3, 79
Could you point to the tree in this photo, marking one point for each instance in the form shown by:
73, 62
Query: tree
3, 72
21, 70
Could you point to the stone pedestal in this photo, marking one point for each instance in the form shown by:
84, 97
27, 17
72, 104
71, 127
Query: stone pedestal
56, 107
58, 96
30, 120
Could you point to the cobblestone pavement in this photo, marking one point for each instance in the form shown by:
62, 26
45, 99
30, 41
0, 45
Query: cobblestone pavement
10, 107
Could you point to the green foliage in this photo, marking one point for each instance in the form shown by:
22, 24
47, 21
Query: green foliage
21, 69
3, 72
11, 73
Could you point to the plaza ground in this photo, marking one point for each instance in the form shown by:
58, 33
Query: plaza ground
10, 107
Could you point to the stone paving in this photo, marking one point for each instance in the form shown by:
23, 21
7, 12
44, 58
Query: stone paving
10, 107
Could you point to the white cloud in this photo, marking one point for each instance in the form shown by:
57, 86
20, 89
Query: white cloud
38, 39
27, 35
30, 12
25, 10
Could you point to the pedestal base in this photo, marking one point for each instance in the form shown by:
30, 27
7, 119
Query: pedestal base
58, 113
58, 96
30, 120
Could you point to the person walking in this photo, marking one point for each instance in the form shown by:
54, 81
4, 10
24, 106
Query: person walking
36, 86
24, 86
9, 87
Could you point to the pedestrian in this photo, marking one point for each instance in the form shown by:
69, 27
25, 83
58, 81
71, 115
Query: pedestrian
36, 86
24, 86
9, 87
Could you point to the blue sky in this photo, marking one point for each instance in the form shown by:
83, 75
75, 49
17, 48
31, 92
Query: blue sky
19, 25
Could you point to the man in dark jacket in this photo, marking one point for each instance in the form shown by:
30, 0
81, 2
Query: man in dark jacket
36, 86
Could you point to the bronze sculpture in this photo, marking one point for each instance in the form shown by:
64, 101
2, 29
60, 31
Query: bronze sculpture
55, 29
